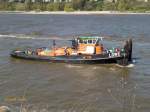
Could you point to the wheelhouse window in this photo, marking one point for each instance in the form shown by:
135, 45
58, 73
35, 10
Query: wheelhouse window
80, 41
85, 41
88, 40
94, 41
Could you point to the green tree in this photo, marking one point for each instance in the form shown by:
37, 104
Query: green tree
28, 4
61, 6
99, 5
3, 5
20, 7
122, 5
68, 7
90, 5
56, 7
11, 6
50, 7
36, 6
40, 5
138, 6
78, 4
43, 6
109, 6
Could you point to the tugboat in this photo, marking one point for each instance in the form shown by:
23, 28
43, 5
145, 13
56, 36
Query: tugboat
84, 50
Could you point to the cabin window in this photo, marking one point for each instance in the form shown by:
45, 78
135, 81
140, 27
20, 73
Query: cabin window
85, 41
90, 41
81, 41
94, 41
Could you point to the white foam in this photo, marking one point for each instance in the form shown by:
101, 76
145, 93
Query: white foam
95, 67
73, 66
128, 66
112, 69
22, 36
7, 36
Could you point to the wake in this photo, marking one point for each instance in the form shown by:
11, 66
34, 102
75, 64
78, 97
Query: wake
22, 36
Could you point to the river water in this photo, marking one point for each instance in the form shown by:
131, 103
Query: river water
51, 87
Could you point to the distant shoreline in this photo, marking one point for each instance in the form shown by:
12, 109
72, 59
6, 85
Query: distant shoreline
76, 12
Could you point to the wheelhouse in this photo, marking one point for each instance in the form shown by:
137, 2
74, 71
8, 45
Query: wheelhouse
89, 45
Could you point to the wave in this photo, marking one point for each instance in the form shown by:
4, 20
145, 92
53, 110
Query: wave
128, 66
22, 36
7, 36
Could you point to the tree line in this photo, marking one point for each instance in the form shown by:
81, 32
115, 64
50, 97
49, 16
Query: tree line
76, 5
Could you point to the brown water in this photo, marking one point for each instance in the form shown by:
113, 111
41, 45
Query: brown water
51, 87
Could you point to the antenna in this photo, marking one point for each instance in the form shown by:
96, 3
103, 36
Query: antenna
101, 38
